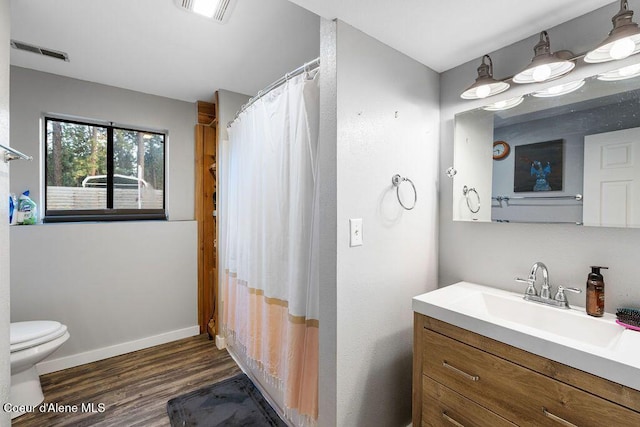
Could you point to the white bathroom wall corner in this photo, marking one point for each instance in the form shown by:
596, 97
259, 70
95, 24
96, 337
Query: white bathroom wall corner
378, 117
5, 369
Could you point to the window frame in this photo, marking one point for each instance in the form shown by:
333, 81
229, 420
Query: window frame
107, 214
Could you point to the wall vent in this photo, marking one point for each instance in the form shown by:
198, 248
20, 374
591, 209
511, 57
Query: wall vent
40, 50
218, 10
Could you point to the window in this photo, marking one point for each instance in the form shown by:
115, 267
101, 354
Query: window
101, 172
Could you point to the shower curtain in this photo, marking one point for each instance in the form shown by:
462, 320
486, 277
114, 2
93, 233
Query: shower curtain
268, 211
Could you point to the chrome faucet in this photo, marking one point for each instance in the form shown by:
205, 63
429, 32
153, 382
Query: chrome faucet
546, 288
531, 293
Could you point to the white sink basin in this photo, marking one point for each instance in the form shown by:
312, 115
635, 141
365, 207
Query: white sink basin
569, 324
596, 345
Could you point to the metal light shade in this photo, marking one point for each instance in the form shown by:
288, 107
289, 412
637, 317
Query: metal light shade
623, 73
504, 105
623, 40
559, 90
545, 65
485, 84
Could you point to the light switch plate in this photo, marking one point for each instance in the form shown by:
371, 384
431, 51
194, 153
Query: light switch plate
355, 231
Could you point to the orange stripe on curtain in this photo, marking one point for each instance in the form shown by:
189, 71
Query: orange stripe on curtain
283, 347
301, 388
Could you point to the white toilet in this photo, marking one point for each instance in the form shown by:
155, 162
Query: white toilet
31, 342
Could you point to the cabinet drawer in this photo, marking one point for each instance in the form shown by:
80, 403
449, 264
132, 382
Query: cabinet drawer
444, 407
516, 393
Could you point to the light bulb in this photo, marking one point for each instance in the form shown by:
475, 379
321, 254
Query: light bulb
483, 91
541, 73
622, 48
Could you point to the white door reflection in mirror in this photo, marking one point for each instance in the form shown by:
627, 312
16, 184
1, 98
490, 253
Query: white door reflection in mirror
612, 179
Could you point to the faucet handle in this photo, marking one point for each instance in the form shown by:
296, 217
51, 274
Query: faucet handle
561, 297
531, 289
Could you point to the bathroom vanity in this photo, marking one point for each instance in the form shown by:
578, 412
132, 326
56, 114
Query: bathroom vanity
476, 367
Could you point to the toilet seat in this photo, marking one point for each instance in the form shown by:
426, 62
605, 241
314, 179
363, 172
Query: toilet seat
24, 335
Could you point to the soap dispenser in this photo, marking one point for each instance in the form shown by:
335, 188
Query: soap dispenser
595, 292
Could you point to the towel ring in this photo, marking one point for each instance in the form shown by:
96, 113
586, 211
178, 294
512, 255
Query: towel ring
467, 191
396, 180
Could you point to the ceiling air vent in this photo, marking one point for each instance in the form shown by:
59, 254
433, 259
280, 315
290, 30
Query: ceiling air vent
40, 50
218, 10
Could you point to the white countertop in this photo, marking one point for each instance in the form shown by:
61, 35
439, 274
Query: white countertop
595, 345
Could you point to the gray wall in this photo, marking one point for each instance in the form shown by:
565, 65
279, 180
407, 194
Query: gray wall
386, 122
493, 254
118, 286
5, 371
327, 176
35, 93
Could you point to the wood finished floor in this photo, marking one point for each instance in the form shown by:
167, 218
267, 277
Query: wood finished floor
134, 387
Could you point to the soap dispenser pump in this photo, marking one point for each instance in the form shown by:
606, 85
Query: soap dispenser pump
595, 292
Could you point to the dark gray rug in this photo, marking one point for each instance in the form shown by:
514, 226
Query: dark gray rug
234, 402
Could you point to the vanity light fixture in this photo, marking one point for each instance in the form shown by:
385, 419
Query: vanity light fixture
485, 84
545, 65
621, 73
504, 105
623, 40
559, 90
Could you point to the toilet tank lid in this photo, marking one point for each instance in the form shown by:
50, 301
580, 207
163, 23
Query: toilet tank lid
31, 330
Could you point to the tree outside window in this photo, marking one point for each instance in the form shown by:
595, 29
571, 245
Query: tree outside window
103, 172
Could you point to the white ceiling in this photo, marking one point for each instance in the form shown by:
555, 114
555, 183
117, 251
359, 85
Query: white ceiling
443, 34
154, 47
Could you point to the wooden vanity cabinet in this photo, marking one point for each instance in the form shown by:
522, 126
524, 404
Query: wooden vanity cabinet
461, 378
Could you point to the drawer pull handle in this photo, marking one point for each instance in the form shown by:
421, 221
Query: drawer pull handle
463, 373
557, 418
451, 420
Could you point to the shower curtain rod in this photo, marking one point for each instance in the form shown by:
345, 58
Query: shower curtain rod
311, 65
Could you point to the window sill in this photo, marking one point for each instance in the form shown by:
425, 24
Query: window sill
149, 216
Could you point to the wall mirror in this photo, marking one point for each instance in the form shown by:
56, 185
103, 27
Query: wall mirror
569, 154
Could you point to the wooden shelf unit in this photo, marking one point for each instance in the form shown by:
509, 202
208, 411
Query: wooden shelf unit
205, 197
206, 113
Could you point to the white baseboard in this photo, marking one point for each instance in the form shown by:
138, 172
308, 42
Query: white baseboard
66, 362
221, 342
